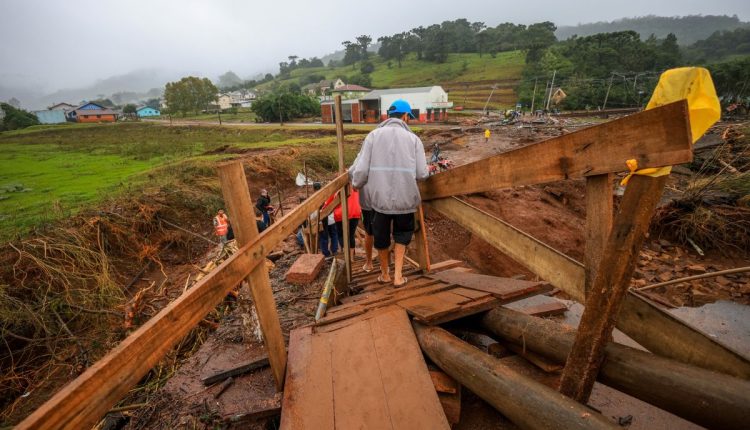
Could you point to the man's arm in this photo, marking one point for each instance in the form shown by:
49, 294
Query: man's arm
422, 172
360, 170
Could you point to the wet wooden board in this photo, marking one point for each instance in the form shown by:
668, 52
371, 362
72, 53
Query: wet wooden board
545, 309
506, 289
482, 304
369, 374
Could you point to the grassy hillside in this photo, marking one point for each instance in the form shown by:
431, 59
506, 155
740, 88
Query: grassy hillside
467, 77
52, 172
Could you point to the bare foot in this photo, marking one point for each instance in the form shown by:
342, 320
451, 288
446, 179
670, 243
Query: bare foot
398, 284
368, 267
384, 279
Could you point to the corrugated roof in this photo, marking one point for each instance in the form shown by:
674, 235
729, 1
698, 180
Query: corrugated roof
378, 93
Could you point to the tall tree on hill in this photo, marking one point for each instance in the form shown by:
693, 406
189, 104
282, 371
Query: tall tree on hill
436, 45
351, 53
190, 94
418, 42
537, 38
316, 62
364, 42
292, 61
393, 47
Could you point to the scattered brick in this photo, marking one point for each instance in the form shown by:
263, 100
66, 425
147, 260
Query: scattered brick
305, 269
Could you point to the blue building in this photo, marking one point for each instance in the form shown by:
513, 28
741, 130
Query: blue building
51, 116
147, 111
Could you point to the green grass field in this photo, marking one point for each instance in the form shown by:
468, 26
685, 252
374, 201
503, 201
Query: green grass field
467, 77
52, 172
243, 115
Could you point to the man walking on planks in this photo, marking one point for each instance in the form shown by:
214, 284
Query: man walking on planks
386, 170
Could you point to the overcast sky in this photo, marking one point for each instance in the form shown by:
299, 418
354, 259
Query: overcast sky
57, 44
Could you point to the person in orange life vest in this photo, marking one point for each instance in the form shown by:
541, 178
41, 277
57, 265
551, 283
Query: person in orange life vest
354, 212
221, 226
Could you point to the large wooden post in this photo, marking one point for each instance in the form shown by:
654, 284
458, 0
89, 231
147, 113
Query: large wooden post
343, 192
598, 222
237, 198
610, 285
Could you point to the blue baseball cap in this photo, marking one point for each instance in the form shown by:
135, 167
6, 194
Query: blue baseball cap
401, 106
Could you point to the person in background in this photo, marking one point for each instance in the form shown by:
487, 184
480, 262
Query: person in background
486, 135
329, 238
354, 213
264, 206
388, 166
221, 226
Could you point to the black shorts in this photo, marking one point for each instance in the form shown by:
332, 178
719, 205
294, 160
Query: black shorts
401, 226
367, 216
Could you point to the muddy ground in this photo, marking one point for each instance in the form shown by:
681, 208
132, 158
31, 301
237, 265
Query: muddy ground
553, 213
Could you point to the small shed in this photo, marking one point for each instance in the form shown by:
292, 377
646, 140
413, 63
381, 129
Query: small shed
55, 116
147, 111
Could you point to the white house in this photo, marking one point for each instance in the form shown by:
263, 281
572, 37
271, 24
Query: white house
427, 103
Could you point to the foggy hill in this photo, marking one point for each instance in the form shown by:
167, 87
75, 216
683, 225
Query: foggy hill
688, 29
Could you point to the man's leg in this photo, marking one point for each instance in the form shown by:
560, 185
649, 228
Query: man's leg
353, 223
381, 227
324, 242
369, 239
403, 230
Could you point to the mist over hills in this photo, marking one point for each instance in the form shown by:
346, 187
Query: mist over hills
688, 29
138, 85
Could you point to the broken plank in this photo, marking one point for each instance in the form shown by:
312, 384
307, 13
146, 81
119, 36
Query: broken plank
427, 307
409, 391
502, 288
445, 265
656, 137
471, 308
443, 383
240, 369
308, 390
468, 292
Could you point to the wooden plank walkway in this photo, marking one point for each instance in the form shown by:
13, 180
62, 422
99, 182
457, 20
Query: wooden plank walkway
360, 366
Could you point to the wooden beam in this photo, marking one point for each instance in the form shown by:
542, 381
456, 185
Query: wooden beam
656, 137
599, 209
237, 198
657, 330
524, 401
550, 264
610, 285
82, 402
705, 397
344, 193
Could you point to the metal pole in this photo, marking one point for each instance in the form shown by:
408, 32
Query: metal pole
533, 97
606, 96
551, 89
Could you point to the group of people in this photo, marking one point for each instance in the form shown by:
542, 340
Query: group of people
263, 210
383, 194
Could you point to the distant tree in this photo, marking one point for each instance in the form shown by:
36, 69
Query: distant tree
669, 54
436, 46
360, 79
303, 63
418, 42
316, 62
278, 104
351, 53
15, 118
190, 94
284, 68
364, 41
129, 109
311, 79
292, 61
268, 77
537, 38
229, 79
366, 67
107, 103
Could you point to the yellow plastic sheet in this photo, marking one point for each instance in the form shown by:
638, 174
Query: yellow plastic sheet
695, 85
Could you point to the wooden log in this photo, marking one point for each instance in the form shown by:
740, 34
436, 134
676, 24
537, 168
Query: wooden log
550, 264
599, 209
240, 207
610, 285
704, 397
649, 325
240, 369
518, 397
656, 137
84, 400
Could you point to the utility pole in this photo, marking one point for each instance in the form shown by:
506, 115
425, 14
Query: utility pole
551, 89
533, 97
606, 96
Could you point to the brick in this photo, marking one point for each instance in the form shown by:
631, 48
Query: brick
305, 269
